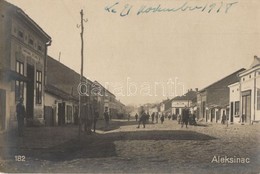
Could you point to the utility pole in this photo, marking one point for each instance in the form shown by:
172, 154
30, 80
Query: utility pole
81, 71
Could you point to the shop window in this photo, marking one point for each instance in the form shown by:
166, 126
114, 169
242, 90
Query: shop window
69, 114
19, 85
236, 107
38, 87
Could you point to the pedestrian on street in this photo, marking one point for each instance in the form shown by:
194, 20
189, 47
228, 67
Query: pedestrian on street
142, 119
136, 117
179, 118
128, 117
21, 114
96, 115
106, 117
162, 118
153, 117
185, 117
156, 117
224, 117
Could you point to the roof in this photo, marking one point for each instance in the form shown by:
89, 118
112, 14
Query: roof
190, 95
62, 78
255, 62
21, 13
230, 79
96, 82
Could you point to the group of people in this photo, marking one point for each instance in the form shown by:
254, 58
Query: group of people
184, 119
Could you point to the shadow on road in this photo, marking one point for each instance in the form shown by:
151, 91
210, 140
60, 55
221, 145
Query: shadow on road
102, 145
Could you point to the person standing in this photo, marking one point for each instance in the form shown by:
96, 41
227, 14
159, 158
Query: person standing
128, 117
142, 119
185, 117
20, 113
152, 117
162, 118
224, 117
136, 117
96, 115
156, 117
106, 117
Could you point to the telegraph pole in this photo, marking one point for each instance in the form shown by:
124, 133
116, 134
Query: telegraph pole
81, 71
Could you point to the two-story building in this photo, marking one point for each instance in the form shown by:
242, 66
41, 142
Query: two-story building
23, 52
180, 102
245, 95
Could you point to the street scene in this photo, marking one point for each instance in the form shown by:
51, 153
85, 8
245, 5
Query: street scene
129, 86
159, 148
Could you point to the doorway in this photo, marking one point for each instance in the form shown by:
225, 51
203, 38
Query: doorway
2, 109
246, 106
30, 92
61, 113
232, 112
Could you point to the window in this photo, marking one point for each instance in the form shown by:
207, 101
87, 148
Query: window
258, 99
249, 76
38, 87
236, 107
39, 48
19, 85
20, 34
31, 41
69, 114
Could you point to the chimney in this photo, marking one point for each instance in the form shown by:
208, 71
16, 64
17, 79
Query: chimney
196, 89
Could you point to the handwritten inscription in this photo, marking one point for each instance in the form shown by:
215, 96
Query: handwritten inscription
127, 9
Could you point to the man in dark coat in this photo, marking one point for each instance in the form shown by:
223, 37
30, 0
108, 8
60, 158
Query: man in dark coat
136, 117
143, 118
96, 115
185, 117
20, 113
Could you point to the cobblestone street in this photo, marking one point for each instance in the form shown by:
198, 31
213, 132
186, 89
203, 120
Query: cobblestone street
158, 148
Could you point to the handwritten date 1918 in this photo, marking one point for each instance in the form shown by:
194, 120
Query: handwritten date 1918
125, 10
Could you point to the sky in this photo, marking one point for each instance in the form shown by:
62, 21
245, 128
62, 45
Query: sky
135, 54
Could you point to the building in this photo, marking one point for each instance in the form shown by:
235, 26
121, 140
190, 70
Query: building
61, 93
164, 106
249, 93
107, 101
234, 103
23, 52
213, 100
180, 102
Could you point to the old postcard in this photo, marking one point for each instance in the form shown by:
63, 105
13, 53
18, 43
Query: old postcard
129, 86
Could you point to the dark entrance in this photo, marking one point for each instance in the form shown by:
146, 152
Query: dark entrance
61, 113
2, 109
30, 92
246, 106
212, 115
232, 112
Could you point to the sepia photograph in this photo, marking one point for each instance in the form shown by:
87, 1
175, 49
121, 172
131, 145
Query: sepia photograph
130, 86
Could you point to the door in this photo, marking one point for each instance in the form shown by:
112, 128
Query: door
2, 109
231, 112
246, 107
212, 115
61, 113
30, 91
